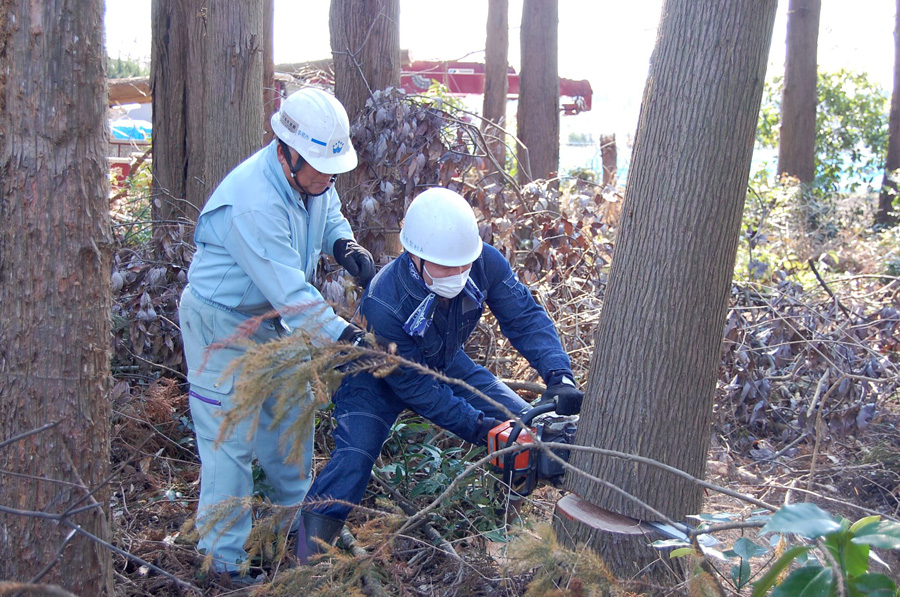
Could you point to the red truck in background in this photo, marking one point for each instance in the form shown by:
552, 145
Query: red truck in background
468, 78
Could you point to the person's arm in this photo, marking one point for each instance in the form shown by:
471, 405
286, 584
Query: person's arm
260, 243
422, 392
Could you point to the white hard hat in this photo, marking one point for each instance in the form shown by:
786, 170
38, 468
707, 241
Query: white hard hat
315, 124
440, 227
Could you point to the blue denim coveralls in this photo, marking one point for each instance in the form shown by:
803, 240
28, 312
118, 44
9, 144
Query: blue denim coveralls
258, 245
399, 309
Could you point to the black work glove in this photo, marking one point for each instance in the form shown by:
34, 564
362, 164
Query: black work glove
357, 261
353, 335
562, 391
485, 424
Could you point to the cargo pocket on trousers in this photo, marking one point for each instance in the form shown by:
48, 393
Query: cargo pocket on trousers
210, 398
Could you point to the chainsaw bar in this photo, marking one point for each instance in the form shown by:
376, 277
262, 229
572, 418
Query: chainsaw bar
574, 508
577, 509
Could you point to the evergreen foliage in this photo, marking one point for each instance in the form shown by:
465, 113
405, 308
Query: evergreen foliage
123, 68
851, 128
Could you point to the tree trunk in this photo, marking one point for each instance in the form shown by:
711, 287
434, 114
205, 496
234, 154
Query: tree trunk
232, 81
169, 84
537, 118
206, 73
270, 92
496, 82
797, 146
884, 215
653, 373
365, 41
609, 159
55, 291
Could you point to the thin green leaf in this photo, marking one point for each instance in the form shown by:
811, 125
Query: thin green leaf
864, 522
762, 586
681, 552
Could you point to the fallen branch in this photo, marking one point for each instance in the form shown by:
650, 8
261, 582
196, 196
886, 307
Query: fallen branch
837, 301
410, 509
10, 588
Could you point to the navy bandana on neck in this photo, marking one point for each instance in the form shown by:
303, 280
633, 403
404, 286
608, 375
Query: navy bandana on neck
420, 320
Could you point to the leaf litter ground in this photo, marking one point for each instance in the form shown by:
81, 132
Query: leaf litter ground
805, 408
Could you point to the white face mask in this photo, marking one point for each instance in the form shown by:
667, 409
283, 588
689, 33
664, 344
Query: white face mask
450, 286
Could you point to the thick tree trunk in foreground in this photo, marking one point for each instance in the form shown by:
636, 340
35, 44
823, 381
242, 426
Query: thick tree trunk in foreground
54, 292
537, 118
653, 373
797, 144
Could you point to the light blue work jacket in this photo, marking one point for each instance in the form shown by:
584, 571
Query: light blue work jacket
258, 245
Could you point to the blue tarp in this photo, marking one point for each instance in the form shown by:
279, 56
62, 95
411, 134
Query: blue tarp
131, 130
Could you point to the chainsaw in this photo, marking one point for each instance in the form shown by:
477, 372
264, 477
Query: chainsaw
523, 470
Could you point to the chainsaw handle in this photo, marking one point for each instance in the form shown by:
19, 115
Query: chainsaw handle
509, 459
527, 417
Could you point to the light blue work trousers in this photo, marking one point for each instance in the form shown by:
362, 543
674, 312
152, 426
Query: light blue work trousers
225, 469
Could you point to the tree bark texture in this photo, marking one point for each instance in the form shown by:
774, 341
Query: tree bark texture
889, 186
55, 257
609, 159
270, 93
537, 118
496, 81
653, 373
232, 106
169, 83
365, 42
797, 145
207, 73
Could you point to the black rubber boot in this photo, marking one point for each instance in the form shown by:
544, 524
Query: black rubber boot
314, 529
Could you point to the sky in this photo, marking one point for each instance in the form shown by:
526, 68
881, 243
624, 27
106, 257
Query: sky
607, 42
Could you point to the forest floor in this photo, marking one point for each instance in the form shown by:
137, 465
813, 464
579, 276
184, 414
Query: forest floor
806, 411
155, 499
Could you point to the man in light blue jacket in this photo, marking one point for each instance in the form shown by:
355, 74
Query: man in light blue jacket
258, 239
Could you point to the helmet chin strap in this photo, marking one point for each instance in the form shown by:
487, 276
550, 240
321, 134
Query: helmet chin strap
297, 166
303, 190
420, 267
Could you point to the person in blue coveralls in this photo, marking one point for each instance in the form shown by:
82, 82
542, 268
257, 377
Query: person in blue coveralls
427, 302
259, 238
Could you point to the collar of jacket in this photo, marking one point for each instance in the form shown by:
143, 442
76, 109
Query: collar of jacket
420, 319
277, 173
412, 283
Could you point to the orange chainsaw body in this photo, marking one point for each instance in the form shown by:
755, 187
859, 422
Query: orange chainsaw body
498, 438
